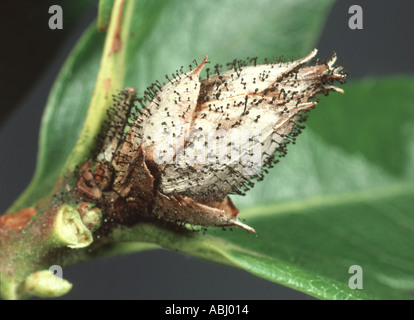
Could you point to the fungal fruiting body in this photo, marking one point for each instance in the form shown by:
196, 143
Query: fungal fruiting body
178, 153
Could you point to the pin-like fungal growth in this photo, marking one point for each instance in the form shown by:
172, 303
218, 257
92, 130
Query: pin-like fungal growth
194, 142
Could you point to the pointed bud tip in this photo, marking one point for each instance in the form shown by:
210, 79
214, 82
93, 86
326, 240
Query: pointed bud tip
198, 69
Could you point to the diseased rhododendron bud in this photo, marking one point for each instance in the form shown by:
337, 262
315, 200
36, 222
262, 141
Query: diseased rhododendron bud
195, 141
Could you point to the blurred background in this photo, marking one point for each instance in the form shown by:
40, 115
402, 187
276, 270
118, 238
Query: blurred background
30, 60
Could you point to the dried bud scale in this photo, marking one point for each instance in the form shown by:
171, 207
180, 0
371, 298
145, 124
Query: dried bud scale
182, 149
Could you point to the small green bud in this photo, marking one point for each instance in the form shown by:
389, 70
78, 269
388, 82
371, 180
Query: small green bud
45, 284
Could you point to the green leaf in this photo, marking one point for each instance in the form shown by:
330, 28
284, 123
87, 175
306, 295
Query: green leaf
324, 209
344, 195
63, 117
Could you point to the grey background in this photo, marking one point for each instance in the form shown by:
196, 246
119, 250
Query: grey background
384, 46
